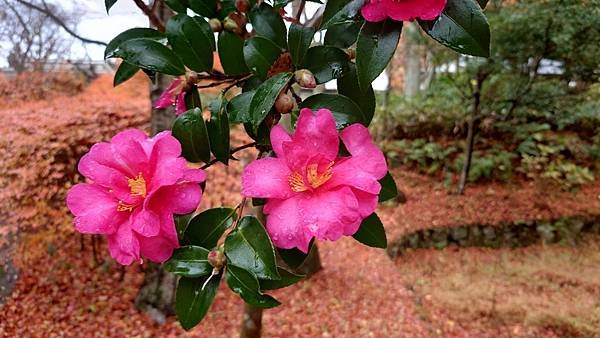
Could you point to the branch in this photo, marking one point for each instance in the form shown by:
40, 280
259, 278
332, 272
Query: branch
60, 22
231, 152
154, 20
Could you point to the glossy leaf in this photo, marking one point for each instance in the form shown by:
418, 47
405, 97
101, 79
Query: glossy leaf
371, 232
206, 8
192, 301
249, 247
133, 33
189, 261
192, 99
340, 10
238, 108
375, 47
326, 63
287, 279
150, 55
190, 129
207, 227
260, 54
265, 97
299, 39
245, 284
343, 34
192, 39
344, 110
125, 72
218, 130
348, 86
389, 189
231, 53
181, 224
177, 5
268, 24
462, 26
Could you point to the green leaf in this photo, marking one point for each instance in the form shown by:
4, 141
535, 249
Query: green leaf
189, 128
371, 232
294, 258
108, 4
181, 224
207, 227
340, 10
133, 33
177, 5
192, 99
462, 26
218, 130
245, 284
343, 34
231, 53
192, 301
249, 247
238, 108
150, 55
267, 23
326, 63
206, 8
375, 47
287, 279
260, 54
389, 189
189, 261
348, 86
265, 97
190, 39
125, 72
344, 110
299, 39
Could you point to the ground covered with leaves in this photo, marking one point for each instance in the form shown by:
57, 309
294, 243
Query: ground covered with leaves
64, 287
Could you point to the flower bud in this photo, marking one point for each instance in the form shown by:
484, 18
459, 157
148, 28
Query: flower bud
242, 6
215, 25
232, 26
284, 103
216, 258
305, 78
351, 53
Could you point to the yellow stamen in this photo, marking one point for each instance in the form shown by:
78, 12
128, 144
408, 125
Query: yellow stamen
296, 182
137, 185
314, 178
124, 207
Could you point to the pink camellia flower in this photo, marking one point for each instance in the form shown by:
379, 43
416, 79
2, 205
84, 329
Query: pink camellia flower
310, 190
402, 10
173, 96
136, 185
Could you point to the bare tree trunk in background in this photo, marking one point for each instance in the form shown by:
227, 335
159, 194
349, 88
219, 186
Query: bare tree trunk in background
157, 294
471, 131
412, 61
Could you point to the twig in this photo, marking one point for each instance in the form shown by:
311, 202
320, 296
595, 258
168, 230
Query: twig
236, 82
300, 10
231, 152
156, 22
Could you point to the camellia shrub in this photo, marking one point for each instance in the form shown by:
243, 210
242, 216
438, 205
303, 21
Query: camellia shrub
319, 180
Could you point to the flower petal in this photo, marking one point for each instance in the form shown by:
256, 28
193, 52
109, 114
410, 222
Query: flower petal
181, 198
95, 209
266, 178
373, 11
284, 224
316, 132
180, 106
123, 245
278, 137
407, 10
145, 222
328, 215
359, 143
367, 203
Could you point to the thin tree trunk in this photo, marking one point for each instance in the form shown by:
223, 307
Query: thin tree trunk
412, 61
251, 322
157, 294
471, 131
